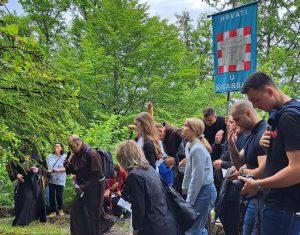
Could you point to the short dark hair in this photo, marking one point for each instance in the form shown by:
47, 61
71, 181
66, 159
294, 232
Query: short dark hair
256, 81
209, 111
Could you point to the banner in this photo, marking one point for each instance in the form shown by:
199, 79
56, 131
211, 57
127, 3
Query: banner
234, 47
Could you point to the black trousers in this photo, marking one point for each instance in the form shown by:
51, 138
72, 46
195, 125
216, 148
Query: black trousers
56, 196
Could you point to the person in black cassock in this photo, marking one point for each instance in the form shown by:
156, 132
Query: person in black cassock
29, 194
85, 163
151, 214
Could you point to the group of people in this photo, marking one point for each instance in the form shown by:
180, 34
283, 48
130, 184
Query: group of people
243, 167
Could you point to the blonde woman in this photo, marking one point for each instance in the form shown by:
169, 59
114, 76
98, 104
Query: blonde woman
198, 176
150, 139
150, 212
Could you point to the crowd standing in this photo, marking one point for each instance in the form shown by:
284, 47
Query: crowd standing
242, 167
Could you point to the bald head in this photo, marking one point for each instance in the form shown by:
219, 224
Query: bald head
244, 115
75, 143
242, 105
75, 138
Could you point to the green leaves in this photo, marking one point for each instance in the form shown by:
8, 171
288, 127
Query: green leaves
11, 30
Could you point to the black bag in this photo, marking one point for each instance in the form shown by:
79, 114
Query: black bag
184, 212
107, 162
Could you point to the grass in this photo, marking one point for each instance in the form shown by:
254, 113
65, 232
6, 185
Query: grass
60, 227
56, 227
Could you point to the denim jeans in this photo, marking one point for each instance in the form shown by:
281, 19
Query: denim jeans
279, 222
204, 201
249, 219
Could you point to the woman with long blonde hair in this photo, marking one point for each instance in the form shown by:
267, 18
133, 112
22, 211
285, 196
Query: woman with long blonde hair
150, 212
198, 176
150, 139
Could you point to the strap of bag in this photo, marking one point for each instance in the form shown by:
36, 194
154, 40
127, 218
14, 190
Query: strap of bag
56, 162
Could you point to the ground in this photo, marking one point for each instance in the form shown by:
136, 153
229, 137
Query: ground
59, 227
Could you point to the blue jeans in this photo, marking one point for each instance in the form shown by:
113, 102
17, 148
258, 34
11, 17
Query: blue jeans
204, 201
279, 222
249, 219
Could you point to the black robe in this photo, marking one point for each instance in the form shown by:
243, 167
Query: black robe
29, 195
86, 208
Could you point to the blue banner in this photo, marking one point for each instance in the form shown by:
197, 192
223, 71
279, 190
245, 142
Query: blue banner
234, 47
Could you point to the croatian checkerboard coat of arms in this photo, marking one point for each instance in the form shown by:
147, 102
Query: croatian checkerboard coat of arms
234, 50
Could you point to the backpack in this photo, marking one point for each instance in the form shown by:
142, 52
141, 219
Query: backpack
276, 114
107, 162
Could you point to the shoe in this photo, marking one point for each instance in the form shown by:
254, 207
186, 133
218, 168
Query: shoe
61, 213
52, 215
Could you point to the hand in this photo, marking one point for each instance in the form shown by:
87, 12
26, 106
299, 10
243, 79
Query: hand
106, 193
170, 161
219, 137
265, 139
232, 135
34, 169
20, 178
234, 174
78, 191
217, 164
250, 187
118, 193
182, 162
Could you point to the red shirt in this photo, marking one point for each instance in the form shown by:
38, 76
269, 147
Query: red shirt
121, 177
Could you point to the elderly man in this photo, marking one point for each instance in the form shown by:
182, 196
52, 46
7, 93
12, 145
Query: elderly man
85, 163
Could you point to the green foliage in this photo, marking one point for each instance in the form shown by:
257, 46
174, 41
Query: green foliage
93, 75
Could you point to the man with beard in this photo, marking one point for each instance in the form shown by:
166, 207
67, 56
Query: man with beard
85, 163
251, 159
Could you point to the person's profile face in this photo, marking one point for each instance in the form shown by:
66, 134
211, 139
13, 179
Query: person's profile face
161, 133
75, 147
139, 128
242, 120
187, 131
210, 120
262, 99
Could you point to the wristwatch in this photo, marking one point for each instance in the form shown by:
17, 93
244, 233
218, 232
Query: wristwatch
259, 187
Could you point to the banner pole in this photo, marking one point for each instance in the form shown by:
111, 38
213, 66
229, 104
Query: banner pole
228, 93
228, 100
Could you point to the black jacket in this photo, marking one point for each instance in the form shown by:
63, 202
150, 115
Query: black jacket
149, 152
150, 212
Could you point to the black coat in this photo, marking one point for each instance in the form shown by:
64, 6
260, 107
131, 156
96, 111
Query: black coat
149, 152
150, 212
29, 195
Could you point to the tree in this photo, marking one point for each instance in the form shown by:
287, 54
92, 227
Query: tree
47, 17
36, 104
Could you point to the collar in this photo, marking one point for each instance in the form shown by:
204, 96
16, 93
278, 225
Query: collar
196, 141
257, 126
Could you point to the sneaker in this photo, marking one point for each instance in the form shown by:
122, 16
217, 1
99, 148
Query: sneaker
52, 215
61, 213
